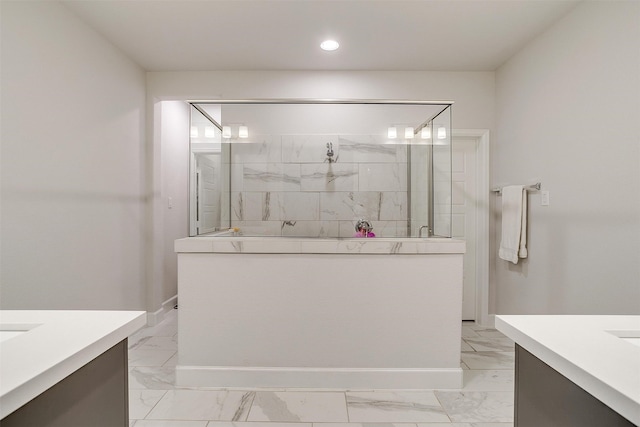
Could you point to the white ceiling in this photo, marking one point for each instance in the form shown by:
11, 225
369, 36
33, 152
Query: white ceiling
435, 35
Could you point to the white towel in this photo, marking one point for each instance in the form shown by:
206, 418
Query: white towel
514, 223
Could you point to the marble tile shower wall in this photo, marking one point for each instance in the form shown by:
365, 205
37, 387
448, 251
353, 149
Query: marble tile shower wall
284, 186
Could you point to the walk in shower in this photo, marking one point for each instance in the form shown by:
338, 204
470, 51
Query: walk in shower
281, 186
317, 168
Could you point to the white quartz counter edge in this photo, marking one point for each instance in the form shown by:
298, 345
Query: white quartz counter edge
57, 344
297, 245
584, 349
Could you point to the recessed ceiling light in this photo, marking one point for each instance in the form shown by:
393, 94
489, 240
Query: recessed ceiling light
329, 45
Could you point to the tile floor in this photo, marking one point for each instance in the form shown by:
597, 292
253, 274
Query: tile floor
486, 399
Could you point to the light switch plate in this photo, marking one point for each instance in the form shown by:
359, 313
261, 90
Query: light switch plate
544, 198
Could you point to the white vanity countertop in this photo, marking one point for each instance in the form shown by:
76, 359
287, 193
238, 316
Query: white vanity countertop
52, 345
313, 245
598, 353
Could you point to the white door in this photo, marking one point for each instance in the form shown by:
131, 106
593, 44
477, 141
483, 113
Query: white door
463, 215
208, 192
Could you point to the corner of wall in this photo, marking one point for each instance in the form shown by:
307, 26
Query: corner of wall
153, 318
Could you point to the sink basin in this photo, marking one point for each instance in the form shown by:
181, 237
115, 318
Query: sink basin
5, 335
8, 331
632, 337
634, 340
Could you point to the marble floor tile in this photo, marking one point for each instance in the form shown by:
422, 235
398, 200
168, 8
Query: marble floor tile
444, 425
465, 425
152, 378
468, 332
466, 347
489, 360
490, 333
488, 380
167, 328
486, 399
159, 343
142, 401
395, 407
165, 423
137, 340
373, 424
473, 325
143, 334
203, 405
299, 406
491, 424
149, 357
490, 344
258, 424
477, 406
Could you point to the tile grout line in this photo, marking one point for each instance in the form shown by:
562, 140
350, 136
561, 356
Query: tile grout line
435, 394
346, 404
154, 405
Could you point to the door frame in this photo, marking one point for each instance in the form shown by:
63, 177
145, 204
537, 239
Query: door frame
201, 148
482, 220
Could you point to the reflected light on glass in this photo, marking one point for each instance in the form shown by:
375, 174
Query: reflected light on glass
194, 131
442, 132
425, 133
243, 132
392, 132
209, 132
408, 132
226, 131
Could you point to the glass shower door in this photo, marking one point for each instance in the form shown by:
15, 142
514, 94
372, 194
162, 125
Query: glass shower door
441, 176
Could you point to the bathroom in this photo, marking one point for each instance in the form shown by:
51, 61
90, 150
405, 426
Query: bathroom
115, 216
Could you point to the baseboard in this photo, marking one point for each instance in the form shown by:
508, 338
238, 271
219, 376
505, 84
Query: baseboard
318, 378
159, 315
492, 321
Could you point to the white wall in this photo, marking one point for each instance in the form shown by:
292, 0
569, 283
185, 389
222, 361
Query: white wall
473, 92
173, 200
568, 115
72, 165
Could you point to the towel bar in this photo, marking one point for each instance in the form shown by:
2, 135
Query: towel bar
532, 187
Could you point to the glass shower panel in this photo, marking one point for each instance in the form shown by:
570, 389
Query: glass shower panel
316, 168
419, 179
209, 181
441, 175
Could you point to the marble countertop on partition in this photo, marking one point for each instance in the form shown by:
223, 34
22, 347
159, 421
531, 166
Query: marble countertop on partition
39, 348
600, 354
314, 245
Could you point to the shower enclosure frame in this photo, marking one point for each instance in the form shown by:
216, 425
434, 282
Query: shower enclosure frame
446, 104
